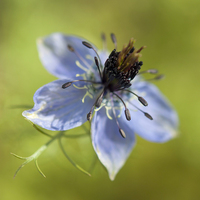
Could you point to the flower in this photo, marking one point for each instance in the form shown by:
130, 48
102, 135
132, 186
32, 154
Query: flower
109, 85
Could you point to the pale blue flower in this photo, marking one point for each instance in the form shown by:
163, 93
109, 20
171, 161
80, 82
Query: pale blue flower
120, 107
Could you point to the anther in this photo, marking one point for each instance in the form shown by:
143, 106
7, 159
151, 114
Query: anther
140, 49
96, 61
127, 114
140, 63
99, 100
88, 45
98, 67
159, 77
113, 109
140, 99
122, 133
150, 71
97, 104
132, 50
145, 113
114, 40
66, 85
148, 116
89, 116
70, 48
103, 37
143, 101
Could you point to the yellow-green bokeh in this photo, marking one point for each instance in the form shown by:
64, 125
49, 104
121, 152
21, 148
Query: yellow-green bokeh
170, 30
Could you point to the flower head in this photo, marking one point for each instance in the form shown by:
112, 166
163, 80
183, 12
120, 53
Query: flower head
110, 85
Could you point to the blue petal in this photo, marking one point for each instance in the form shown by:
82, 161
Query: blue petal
111, 148
59, 109
59, 61
165, 120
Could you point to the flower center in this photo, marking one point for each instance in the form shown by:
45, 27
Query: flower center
121, 67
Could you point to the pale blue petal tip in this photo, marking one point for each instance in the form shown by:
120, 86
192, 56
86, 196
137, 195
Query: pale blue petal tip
111, 148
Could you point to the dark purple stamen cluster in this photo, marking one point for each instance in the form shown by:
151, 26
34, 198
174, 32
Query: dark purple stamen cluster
119, 79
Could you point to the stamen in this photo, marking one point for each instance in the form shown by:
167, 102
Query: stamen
159, 77
89, 116
97, 64
148, 116
103, 37
70, 48
97, 104
127, 113
88, 45
140, 49
143, 101
114, 113
145, 113
91, 47
99, 99
132, 50
150, 71
122, 133
140, 99
66, 85
114, 40
80, 57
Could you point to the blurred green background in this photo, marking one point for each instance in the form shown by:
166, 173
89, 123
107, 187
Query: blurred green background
170, 30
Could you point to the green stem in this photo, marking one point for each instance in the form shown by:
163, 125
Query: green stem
37, 154
44, 147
